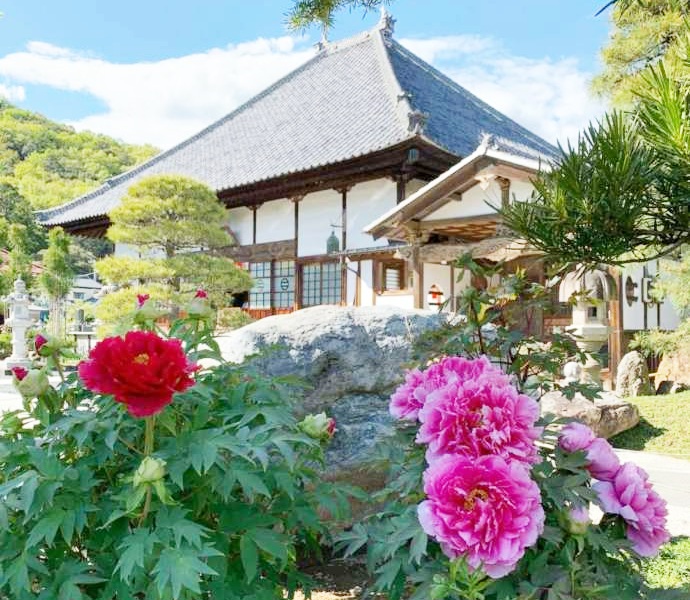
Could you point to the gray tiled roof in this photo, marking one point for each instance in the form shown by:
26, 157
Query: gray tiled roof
353, 98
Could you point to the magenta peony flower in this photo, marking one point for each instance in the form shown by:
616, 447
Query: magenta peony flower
200, 293
141, 299
485, 509
480, 417
631, 496
603, 462
575, 436
411, 395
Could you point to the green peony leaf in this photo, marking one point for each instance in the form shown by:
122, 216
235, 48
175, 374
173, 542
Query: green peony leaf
180, 568
249, 554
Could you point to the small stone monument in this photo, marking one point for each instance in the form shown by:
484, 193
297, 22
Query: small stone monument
19, 321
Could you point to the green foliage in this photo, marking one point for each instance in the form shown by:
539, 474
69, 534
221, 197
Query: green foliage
671, 569
644, 33
114, 310
226, 506
58, 274
305, 13
5, 343
503, 322
175, 223
15, 209
571, 564
229, 318
49, 164
19, 259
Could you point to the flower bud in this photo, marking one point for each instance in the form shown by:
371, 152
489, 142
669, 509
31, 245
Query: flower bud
575, 520
147, 312
30, 384
201, 294
319, 427
39, 341
141, 299
199, 307
150, 470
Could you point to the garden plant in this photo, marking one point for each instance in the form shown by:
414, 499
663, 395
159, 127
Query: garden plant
148, 475
486, 501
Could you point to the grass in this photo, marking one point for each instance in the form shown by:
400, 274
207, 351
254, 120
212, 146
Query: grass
668, 574
663, 426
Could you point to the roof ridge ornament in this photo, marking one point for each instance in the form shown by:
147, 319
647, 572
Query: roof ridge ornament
417, 121
386, 24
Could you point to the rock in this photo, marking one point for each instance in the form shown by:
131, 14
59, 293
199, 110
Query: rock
352, 357
678, 387
608, 415
674, 367
664, 387
632, 377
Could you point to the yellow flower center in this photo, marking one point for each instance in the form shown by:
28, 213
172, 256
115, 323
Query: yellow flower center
472, 496
141, 359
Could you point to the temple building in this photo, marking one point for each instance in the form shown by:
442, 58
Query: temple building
357, 179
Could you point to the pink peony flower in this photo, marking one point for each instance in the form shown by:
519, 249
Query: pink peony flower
575, 436
411, 395
631, 496
603, 462
485, 509
480, 417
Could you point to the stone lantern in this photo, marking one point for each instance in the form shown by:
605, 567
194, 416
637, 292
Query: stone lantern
19, 321
591, 292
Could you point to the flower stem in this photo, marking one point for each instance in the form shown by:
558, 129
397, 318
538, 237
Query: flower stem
148, 450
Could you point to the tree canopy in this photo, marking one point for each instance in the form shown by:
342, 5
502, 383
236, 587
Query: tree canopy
174, 226
621, 194
644, 34
47, 163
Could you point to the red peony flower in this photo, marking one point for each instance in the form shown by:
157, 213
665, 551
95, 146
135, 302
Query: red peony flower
142, 370
141, 299
19, 372
39, 342
201, 294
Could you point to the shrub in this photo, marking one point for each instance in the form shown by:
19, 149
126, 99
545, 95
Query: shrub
485, 502
230, 318
214, 493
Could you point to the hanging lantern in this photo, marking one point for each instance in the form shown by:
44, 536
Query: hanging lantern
332, 244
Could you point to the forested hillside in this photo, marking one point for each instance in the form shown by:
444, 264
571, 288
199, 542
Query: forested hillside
47, 163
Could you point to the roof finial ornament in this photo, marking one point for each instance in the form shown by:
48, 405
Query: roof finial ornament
417, 121
386, 23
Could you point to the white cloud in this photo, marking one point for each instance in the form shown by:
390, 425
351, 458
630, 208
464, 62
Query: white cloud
549, 97
159, 102
164, 102
13, 93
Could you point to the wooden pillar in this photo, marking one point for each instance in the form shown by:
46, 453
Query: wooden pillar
297, 304
417, 276
617, 335
343, 224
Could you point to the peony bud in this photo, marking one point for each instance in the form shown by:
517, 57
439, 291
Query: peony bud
319, 427
199, 307
201, 294
39, 341
19, 372
30, 384
150, 470
141, 299
576, 520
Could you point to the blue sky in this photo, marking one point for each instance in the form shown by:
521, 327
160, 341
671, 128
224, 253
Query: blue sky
158, 71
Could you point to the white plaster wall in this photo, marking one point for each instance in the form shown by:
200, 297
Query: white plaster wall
351, 283
634, 316
520, 190
439, 275
241, 223
399, 300
366, 202
275, 221
126, 250
367, 283
131, 251
317, 212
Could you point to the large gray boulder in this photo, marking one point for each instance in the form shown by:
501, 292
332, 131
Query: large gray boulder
675, 369
607, 415
632, 378
352, 357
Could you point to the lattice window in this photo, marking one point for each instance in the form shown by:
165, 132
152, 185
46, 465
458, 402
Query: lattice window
274, 284
321, 283
392, 275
